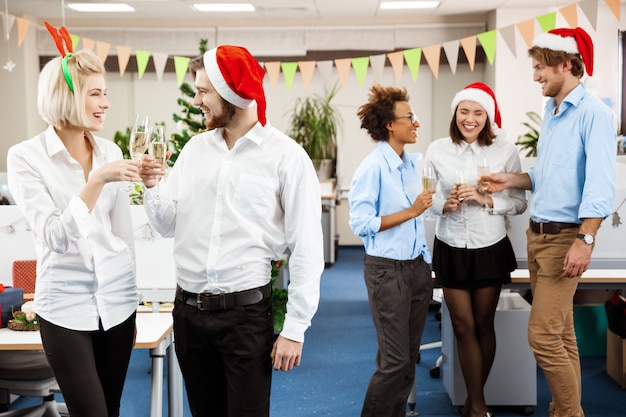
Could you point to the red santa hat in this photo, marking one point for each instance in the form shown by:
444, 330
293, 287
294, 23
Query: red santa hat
571, 41
237, 77
480, 93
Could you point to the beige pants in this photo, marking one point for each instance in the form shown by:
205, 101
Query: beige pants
551, 332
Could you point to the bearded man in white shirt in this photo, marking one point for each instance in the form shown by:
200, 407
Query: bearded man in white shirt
237, 197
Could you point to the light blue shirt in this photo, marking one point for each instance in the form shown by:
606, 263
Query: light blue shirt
575, 174
382, 185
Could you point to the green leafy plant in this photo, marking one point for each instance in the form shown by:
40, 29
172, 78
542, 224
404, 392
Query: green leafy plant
529, 140
314, 123
279, 297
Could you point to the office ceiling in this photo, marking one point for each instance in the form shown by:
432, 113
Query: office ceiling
179, 13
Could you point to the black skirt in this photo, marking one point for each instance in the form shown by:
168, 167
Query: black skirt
473, 268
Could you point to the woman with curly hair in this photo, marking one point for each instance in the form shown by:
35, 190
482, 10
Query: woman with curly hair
386, 207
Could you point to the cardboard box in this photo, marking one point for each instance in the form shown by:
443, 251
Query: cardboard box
616, 358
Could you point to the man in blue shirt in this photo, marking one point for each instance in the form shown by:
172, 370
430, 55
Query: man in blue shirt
573, 186
386, 207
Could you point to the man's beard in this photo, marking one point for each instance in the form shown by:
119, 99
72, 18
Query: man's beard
224, 118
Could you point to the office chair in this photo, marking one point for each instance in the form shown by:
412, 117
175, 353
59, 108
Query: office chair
44, 388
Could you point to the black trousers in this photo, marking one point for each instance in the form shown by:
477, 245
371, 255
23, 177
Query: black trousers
225, 359
399, 294
90, 366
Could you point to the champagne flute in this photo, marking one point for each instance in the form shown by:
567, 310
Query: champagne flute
459, 179
157, 150
139, 137
429, 182
483, 176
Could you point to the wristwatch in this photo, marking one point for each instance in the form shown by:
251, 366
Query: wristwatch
588, 239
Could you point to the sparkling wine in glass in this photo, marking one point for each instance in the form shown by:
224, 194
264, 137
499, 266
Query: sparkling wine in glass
157, 149
429, 182
483, 176
459, 179
139, 137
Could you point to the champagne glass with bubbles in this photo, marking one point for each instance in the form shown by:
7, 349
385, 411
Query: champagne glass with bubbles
139, 137
157, 149
484, 174
429, 182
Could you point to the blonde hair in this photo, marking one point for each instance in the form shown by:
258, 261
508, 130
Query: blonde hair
56, 103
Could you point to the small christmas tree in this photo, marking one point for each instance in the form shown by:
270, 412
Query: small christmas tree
191, 119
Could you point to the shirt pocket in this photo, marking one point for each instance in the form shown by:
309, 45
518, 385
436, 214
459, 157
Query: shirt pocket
255, 195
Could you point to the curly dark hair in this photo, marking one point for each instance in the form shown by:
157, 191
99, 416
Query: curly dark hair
551, 58
379, 110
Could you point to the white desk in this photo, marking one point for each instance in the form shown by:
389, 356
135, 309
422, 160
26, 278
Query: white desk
591, 279
154, 332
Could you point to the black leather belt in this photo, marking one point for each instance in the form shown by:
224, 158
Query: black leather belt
208, 301
551, 228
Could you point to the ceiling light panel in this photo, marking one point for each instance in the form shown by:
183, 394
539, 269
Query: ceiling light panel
223, 7
408, 5
100, 7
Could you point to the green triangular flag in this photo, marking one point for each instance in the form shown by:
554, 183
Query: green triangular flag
360, 68
488, 41
181, 63
142, 61
289, 71
547, 21
75, 39
413, 58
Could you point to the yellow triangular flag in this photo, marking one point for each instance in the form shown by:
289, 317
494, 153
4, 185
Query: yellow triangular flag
123, 55
75, 40
273, 71
102, 50
307, 68
547, 21
7, 20
289, 71
590, 9
343, 69
412, 57
360, 68
469, 47
508, 34
570, 14
181, 64
527, 30
488, 41
22, 29
615, 7
142, 58
159, 60
88, 44
433, 55
397, 62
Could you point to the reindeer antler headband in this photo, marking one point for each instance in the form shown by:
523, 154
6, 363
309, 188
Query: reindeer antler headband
62, 37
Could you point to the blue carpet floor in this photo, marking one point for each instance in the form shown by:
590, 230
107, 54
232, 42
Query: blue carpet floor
338, 360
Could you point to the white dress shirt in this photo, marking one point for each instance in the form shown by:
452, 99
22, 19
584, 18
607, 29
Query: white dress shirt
231, 211
85, 262
474, 227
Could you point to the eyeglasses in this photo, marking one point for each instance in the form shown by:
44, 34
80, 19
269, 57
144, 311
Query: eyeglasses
411, 116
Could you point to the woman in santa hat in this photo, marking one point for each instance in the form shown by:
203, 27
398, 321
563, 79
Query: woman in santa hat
472, 255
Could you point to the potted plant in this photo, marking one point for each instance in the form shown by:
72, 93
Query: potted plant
530, 139
314, 124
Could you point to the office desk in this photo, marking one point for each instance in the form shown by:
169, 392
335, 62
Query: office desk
154, 332
591, 279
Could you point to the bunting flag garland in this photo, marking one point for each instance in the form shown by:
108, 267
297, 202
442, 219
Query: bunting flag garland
289, 72
451, 49
397, 59
413, 58
273, 71
360, 68
469, 47
307, 68
590, 9
433, 54
488, 41
547, 21
570, 14
508, 34
123, 56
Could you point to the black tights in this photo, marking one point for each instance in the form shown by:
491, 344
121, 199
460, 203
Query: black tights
90, 367
472, 312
